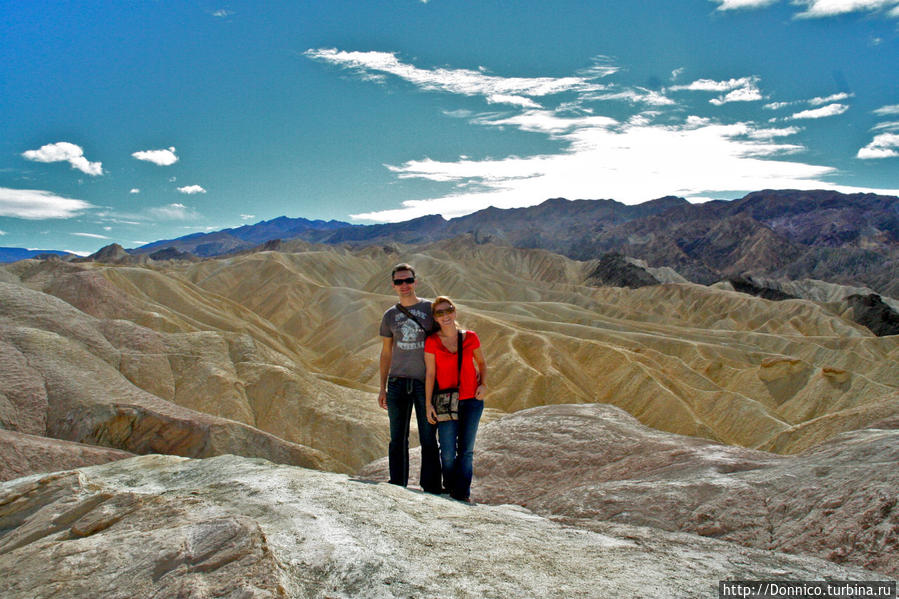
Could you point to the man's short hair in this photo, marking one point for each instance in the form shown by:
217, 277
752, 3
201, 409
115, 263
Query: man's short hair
402, 266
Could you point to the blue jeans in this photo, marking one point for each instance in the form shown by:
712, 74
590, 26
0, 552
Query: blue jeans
457, 447
402, 395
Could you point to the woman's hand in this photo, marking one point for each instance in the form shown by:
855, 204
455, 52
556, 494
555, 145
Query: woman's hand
481, 392
432, 413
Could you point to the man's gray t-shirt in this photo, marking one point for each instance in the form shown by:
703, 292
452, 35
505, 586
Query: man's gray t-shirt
408, 358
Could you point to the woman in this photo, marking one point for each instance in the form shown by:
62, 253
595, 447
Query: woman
442, 367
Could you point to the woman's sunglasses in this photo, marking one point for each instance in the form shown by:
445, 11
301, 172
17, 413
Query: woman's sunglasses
444, 312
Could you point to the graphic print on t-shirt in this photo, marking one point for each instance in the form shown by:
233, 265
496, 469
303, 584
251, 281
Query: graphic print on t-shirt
412, 335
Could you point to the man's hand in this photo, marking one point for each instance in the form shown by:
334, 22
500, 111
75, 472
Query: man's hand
382, 399
481, 392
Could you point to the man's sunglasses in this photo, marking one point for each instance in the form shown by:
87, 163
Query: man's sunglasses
407, 280
444, 312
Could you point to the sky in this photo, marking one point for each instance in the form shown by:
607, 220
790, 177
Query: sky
130, 122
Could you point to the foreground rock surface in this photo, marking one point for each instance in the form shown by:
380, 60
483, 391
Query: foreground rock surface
163, 526
588, 464
593, 464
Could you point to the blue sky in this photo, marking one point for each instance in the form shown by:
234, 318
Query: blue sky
130, 122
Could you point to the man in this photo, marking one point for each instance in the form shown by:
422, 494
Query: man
404, 328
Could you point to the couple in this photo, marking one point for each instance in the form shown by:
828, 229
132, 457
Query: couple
417, 360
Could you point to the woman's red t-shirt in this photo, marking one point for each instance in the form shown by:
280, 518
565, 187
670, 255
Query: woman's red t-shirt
448, 365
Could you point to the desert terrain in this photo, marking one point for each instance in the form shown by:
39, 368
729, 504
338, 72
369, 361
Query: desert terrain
274, 355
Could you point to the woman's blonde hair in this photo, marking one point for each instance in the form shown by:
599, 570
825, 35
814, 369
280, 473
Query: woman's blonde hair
442, 299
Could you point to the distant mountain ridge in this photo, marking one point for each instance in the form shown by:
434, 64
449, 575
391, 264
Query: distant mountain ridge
241, 238
9, 254
850, 239
827, 235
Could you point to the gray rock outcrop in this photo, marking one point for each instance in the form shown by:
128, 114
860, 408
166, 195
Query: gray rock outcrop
162, 526
836, 501
589, 465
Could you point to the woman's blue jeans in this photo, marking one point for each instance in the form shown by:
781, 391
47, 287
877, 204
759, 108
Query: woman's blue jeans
457, 447
402, 396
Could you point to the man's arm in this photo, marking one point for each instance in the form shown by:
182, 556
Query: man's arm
384, 367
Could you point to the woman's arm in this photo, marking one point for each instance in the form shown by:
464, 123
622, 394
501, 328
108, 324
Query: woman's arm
482, 373
430, 376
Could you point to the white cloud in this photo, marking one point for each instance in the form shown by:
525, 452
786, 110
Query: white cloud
120, 219
834, 98
191, 189
630, 162
820, 113
743, 89
831, 8
65, 152
172, 212
2, 232
247, 216
633, 158
772, 133
887, 110
819, 8
514, 100
745, 94
602, 66
134, 190
637, 95
885, 145
222, 13
677, 73
35, 204
887, 126
510, 90
710, 85
743, 4
811, 102
164, 157
91, 235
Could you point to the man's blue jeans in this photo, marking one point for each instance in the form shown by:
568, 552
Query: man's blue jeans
402, 395
457, 447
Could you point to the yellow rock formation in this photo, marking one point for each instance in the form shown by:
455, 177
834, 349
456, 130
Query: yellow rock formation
288, 342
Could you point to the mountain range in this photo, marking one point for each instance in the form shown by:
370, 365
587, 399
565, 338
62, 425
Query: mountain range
826, 235
240, 238
8, 254
850, 239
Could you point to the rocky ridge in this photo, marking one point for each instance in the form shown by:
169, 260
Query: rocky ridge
25, 454
156, 526
74, 377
